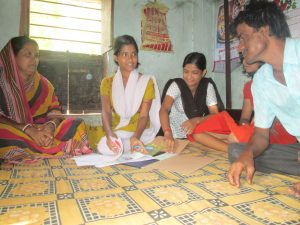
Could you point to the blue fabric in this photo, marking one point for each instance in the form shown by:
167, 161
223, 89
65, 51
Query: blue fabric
271, 98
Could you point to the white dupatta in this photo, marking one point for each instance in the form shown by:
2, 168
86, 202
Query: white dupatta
127, 101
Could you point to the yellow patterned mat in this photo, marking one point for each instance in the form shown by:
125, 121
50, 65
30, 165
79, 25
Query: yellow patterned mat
56, 191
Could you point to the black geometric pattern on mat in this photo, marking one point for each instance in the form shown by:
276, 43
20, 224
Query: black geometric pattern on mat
7, 193
75, 183
89, 216
50, 207
189, 219
158, 214
245, 208
165, 202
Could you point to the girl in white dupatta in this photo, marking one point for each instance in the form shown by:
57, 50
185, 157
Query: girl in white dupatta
130, 102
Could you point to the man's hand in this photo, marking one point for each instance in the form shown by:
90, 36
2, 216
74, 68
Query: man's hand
244, 162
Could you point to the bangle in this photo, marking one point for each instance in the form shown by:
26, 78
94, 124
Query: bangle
26, 126
167, 129
53, 123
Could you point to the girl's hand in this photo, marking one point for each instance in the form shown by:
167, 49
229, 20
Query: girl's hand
137, 146
188, 126
169, 141
112, 145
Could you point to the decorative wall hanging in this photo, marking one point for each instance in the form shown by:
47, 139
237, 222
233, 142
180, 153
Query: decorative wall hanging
154, 30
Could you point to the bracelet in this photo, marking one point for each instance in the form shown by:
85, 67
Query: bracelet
26, 126
167, 129
53, 123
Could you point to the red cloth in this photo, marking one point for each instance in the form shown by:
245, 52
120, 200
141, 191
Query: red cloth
279, 135
223, 123
247, 92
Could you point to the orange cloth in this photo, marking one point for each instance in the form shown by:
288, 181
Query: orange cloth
223, 123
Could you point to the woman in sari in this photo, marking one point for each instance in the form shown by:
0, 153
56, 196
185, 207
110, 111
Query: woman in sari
130, 102
188, 101
31, 122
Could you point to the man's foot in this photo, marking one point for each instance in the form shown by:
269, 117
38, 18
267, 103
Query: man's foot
295, 190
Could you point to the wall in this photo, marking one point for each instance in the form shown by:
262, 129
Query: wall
162, 65
9, 20
238, 78
191, 25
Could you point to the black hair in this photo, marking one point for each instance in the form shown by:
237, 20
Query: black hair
18, 43
259, 13
195, 58
124, 40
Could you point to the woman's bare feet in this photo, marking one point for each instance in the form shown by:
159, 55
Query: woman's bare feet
295, 190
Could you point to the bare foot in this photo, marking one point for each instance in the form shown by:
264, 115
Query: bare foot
232, 138
295, 190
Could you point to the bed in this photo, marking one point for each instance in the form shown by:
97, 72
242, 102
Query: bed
56, 191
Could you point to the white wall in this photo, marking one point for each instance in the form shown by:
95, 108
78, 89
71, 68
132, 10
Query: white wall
9, 20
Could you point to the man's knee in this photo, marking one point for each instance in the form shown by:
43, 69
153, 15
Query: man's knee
234, 151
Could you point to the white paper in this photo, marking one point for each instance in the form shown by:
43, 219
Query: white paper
108, 157
93, 159
125, 158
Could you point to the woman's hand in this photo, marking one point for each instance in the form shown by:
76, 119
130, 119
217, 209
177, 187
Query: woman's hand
49, 127
42, 135
112, 145
169, 140
188, 126
137, 145
48, 130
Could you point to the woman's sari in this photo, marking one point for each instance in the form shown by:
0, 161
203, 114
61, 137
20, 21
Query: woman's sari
36, 104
